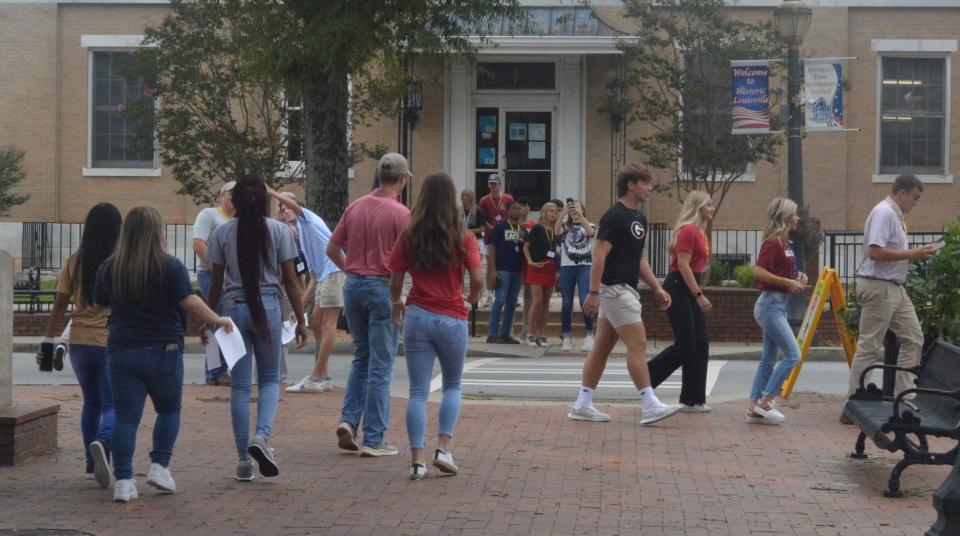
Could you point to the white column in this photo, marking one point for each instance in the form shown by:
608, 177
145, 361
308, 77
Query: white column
568, 175
6, 330
458, 122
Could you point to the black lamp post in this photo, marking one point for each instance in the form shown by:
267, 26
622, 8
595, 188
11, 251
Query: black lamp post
792, 20
411, 102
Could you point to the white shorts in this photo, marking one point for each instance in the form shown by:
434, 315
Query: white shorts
329, 292
620, 304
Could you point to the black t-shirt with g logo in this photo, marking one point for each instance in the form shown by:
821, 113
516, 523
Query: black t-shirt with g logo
626, 230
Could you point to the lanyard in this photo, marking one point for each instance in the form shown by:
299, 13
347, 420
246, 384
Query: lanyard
497, 204
549, 235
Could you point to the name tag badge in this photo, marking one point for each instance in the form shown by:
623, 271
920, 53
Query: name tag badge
789, 253
300, 266
498, 218
516, 249
551, 254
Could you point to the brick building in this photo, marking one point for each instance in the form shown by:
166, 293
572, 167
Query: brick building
534, 116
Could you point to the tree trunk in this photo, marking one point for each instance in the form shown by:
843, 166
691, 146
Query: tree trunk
326, 154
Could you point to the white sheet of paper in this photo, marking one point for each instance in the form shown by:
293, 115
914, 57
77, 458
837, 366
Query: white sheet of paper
231, 344
289, 332
213, 351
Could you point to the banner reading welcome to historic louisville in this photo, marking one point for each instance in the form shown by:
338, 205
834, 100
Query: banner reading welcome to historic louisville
823, 95
751, 97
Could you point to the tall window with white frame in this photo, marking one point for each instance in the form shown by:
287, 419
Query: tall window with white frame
117, 142
913, 110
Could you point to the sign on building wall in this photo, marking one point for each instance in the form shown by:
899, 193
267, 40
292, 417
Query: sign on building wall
751, 97
823, 95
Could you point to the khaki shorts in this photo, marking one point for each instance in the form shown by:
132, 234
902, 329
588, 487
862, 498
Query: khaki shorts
330, 291
620, 304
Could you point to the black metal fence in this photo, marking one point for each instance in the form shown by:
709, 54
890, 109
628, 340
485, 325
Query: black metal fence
843, 250
732, 247
48, 245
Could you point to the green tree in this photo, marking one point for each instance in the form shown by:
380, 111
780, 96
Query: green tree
677, 85
11, 174
936, 293
222, 67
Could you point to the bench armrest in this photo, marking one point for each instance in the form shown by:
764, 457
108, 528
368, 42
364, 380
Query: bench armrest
935, 392
912, 370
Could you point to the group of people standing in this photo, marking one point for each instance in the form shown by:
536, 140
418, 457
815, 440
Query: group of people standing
131, 300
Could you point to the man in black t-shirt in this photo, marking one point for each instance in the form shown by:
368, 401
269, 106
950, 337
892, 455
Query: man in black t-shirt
619, 262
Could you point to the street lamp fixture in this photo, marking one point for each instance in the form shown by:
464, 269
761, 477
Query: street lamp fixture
792, 20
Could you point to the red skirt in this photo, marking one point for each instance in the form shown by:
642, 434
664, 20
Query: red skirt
545, 276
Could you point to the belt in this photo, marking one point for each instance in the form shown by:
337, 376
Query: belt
384, 277
871, 278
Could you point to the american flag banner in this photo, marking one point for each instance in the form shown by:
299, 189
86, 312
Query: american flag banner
751, 97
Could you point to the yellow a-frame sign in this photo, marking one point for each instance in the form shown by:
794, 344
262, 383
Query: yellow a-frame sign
828, 287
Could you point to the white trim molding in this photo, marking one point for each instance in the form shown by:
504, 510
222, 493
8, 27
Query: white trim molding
926, 179
121, 172
850, 3
913, 45
111, 41
549, 44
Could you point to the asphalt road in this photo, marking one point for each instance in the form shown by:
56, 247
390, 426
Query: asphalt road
515, 378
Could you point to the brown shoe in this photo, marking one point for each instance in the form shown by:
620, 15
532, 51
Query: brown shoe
844, 419
222, 380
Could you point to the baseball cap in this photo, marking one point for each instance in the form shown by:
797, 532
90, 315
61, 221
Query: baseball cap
493, 178
394, 165
227, 187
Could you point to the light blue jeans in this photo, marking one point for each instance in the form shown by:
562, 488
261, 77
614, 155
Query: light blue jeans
574, 277
770, 312
97, 416
427, 335
505, 301
366, 304
267, 354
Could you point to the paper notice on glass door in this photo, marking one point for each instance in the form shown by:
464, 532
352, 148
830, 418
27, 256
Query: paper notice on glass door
537, 131
536, 150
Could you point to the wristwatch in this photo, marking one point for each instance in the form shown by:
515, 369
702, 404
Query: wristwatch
699, 293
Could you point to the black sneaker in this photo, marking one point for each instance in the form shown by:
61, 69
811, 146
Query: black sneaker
58, 353
508, 340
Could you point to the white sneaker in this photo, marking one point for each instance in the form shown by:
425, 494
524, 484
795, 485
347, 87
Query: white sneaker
531, 341
771, 414
696, 408
375, 451
753, 418
588, 413
125, 490
443, 461
587, 343
418, 471
160, 478
101, 465
306, 385
566, 345
658, 413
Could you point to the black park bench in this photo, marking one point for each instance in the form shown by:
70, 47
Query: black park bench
892, 422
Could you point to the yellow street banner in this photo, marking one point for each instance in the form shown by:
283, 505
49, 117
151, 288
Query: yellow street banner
828, 287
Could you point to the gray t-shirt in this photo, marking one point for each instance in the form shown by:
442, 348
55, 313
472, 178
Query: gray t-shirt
206, 223
884, 228
222, 249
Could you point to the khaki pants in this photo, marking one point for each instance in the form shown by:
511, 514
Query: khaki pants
886, 306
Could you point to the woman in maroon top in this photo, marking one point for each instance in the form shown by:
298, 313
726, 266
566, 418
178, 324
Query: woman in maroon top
435, 249
777, 277
689, 258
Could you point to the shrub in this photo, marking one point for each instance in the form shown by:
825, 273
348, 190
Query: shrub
744, 275
715, 275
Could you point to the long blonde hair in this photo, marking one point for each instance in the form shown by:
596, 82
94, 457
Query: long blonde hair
137, 263
779, 213
690, 214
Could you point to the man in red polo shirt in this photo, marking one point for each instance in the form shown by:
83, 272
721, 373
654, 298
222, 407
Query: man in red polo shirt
494, 205
367, 232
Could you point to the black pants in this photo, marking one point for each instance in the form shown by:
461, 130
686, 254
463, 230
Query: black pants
691, 346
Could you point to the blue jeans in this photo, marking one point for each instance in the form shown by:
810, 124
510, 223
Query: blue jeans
771, 314
570, 277
505, 300
427, 335
203, 279
366, 304
267, 354
152, 370
97, 417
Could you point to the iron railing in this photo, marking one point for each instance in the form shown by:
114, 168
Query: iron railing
732, 247
843, 250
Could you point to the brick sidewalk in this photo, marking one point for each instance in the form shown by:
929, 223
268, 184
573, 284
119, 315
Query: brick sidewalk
526, 470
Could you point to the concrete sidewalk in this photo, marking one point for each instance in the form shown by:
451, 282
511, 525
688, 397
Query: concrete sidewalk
526, 469
478, 347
